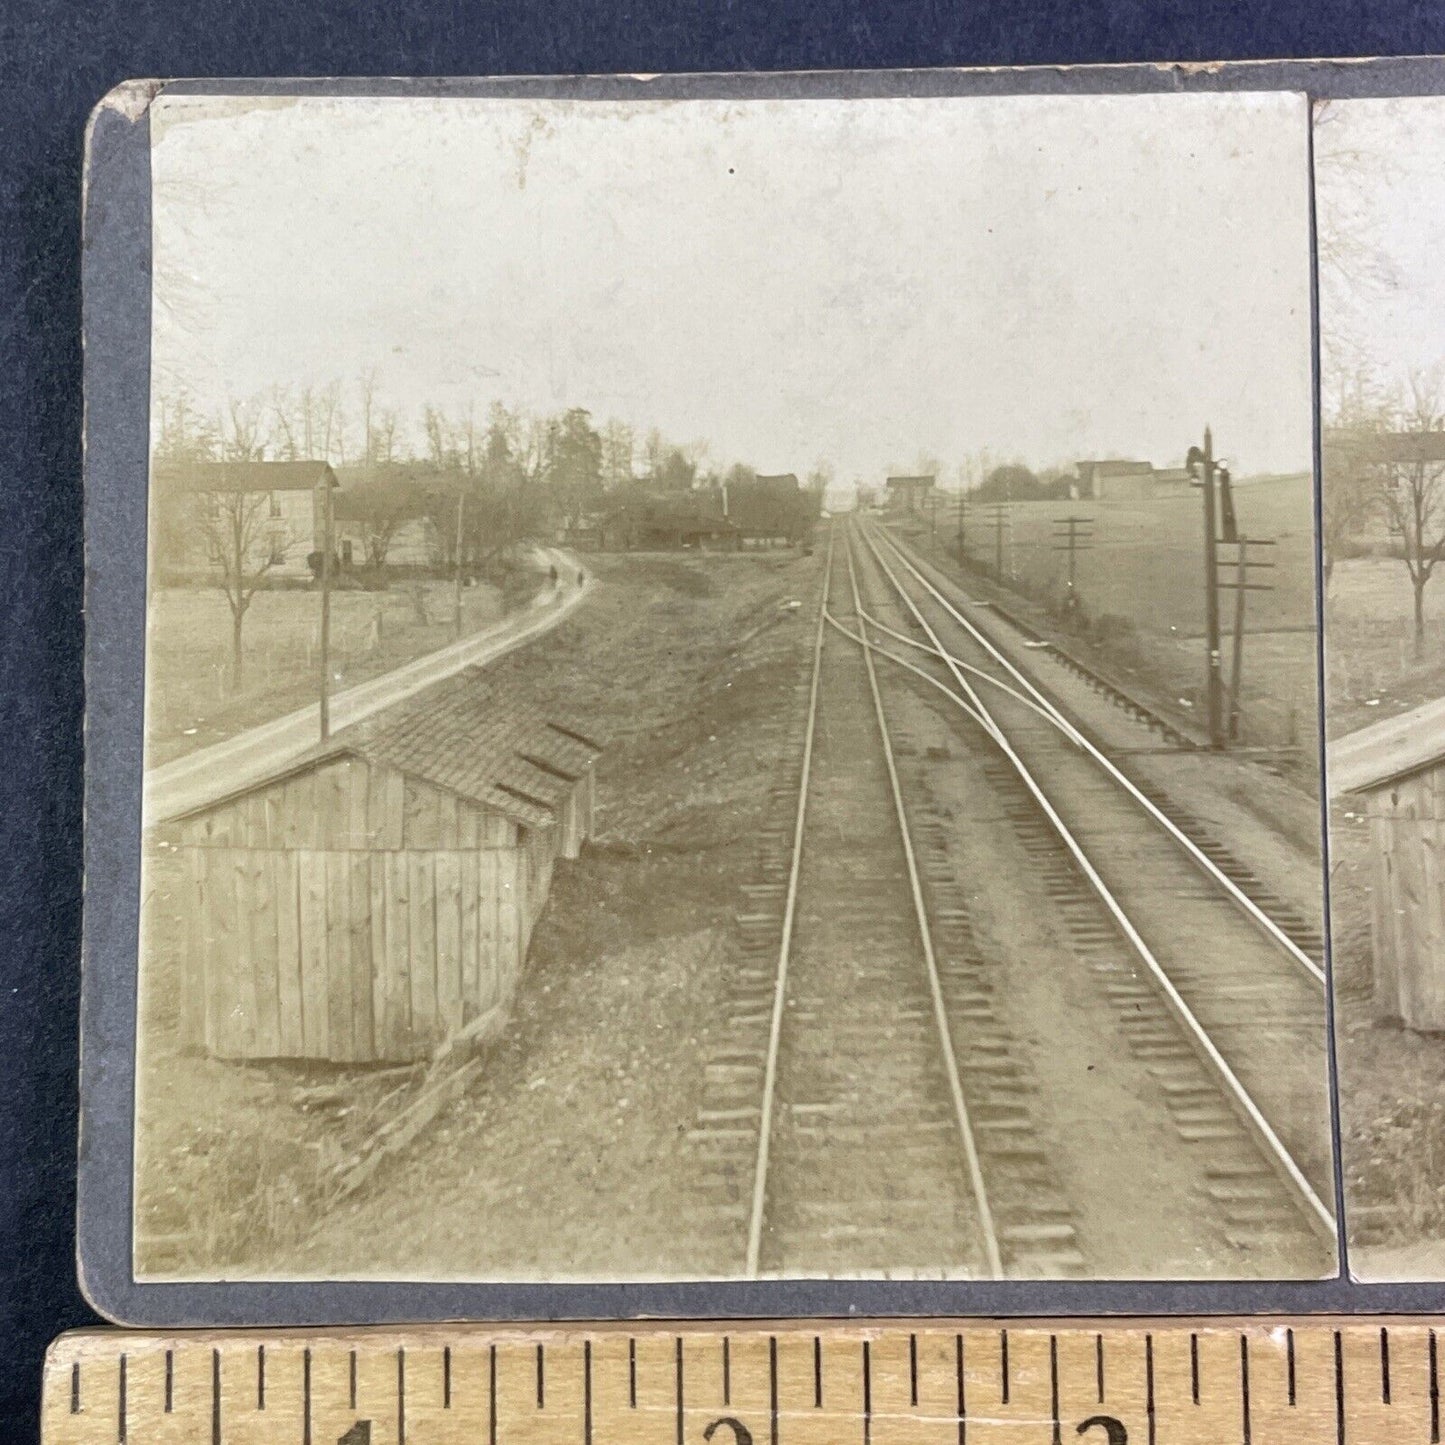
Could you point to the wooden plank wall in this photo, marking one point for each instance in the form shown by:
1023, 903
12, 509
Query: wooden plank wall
352, 957
351, 915
1407, 833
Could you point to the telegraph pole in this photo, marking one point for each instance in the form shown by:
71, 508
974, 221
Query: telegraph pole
1213, 680
1077, 538
1244, 566
998, 543
326, 544
461, 509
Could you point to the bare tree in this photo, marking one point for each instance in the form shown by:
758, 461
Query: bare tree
1412, 490
618, 448
1352, 263
366, 388
243, 539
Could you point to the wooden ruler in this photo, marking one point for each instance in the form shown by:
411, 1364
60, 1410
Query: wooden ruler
1202, 1382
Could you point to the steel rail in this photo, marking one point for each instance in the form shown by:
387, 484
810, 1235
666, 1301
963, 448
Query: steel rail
935, 985
1273, 1147
1256, 914
775, 1028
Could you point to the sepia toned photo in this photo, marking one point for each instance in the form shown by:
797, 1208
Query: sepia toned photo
732, 691
1381, 212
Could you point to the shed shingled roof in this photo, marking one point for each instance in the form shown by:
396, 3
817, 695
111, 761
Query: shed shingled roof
1388, 750
469, 735
472, 736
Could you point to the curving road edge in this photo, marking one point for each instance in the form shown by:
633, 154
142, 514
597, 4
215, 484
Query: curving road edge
215, 771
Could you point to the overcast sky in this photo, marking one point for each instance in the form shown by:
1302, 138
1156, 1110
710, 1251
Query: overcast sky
1381, 200
869, 280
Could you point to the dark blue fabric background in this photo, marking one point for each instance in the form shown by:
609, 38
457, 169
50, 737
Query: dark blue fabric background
55, 62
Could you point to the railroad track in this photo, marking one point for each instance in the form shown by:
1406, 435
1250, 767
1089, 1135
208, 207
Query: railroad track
878, 1109
1222, 1000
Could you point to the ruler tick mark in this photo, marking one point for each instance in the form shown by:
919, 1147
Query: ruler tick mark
120, 1403
677, 1371
401, 1396
492, 1396
446, 1377
586, 1392
1099, 1367
306, 1394
1289, 1362
351, 1379
961, 1401
727, 1373
1003, 1364
1384, 1366
817, 1372
1149, 1384
260, 1377
1245, 1424
541, 1378
215, 1397
1054, 1388
1194, 1367
773, 1389
632, 1374
75, 1388
1434, 1395
1339, 1390
913, 1370
867, 1394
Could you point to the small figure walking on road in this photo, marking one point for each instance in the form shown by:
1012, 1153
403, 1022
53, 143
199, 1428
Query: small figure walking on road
581, 576
554, 576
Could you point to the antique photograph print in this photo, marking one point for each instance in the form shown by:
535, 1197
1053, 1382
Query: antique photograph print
731, 690
1381, 213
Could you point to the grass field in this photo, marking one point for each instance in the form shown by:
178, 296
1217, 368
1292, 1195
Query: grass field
1371, 666
189, 699
1140, 586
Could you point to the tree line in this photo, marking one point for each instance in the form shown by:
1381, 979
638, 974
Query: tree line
485, 478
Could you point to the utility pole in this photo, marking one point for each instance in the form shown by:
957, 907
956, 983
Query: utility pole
326, 545
962, 507
461, 509
998, 543
1243, 566
1201, 464
1077, 538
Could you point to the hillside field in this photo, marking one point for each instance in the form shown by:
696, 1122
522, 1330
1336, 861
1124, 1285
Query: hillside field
1140, 585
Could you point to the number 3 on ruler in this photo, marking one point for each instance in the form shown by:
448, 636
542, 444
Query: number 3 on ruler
1113, 1429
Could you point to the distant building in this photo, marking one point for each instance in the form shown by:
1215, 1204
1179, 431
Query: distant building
1346, 450
692, 519
1397, 769
272, 510
411, 541
1118, 480
909, 494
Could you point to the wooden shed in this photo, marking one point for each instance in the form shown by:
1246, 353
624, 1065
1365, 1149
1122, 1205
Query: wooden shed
375, 899
1397, 769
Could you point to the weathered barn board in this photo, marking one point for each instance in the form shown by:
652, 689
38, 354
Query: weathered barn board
378, 897
1398, 768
